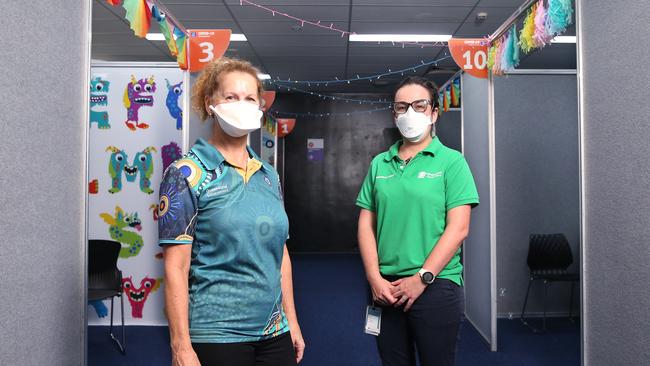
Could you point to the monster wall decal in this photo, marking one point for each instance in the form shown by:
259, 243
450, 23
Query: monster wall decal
99, 98
93, 186
154, 211
121, 228
173, 93
138, 93
142, 164
99, 307
170, 153
138, 296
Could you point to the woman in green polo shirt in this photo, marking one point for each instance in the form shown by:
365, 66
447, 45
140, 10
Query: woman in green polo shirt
415, 211
222, 224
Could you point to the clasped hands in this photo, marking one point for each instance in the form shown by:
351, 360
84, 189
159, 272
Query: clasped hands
397, 293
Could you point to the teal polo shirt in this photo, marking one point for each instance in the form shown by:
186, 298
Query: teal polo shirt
411, 203
237, 231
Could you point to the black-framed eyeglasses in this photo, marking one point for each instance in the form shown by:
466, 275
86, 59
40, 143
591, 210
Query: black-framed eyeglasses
419, 105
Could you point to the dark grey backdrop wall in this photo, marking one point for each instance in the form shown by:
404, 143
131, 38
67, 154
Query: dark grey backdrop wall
320, 195
477, 257
616, 172
537, 182
44, 92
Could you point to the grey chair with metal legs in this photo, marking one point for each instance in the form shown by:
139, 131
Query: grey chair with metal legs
549, 256
105, 279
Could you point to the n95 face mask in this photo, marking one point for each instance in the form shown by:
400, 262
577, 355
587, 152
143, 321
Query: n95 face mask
238, 119
413, 125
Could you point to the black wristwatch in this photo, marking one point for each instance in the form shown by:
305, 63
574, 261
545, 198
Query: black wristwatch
427, 277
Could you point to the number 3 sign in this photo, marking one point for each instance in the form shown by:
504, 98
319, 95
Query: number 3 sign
206, 45
470, 55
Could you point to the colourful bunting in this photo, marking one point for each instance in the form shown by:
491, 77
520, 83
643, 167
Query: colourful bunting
526, 40
138, 14
181, 57
453, 98
114, 2
455, 93
491, 55
559, 16
498, 57
165, 29
447, 98
541, 37
510, 56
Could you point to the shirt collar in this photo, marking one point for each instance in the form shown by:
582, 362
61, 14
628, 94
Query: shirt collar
212, 158
431, 149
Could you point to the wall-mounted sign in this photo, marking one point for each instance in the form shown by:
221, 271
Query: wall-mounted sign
315, 149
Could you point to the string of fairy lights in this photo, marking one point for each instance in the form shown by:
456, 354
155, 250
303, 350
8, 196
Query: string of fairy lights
298, 86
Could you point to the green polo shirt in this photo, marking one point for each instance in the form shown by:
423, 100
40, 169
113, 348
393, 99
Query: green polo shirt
411, 203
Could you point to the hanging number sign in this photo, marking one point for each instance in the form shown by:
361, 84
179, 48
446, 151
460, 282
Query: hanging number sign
285, 126
268, 97
206, 45
471, 55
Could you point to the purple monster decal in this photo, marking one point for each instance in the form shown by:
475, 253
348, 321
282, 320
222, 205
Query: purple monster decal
138, 93
170, 152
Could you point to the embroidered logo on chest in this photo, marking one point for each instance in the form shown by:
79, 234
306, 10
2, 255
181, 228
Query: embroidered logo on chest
384, 176
427, 175
217, 190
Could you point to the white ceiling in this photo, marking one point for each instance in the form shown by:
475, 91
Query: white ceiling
279, 46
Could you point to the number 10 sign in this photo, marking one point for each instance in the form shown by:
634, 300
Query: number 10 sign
470, 55
206, 45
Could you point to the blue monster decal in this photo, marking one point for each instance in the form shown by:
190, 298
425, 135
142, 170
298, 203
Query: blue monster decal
173, 93
99, 307
99, 98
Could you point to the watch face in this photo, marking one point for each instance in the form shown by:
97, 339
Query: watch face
427, 277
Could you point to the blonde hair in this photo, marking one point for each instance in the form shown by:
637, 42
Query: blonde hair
208, 82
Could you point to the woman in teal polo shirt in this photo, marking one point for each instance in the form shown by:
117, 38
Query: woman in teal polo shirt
415, 212
222, 224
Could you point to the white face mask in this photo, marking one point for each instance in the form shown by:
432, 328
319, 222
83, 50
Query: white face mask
237, 119
413, 125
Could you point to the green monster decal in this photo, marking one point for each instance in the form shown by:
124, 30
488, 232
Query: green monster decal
142, 164
121, 229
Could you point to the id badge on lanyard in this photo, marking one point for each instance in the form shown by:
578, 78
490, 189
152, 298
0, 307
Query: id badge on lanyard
373, 320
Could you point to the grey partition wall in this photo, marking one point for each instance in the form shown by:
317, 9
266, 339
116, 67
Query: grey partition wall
478, 254
44, 93
449, 131
537, 181
614, 109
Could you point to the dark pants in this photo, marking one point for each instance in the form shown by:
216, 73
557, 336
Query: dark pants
276, 351
431, 326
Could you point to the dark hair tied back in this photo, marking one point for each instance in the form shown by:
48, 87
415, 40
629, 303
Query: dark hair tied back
429, 85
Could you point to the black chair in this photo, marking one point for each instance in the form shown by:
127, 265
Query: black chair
549, 256
105, 279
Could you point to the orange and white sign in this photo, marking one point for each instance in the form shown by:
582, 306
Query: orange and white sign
471, 55
269, 98
285, 126
206, 45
